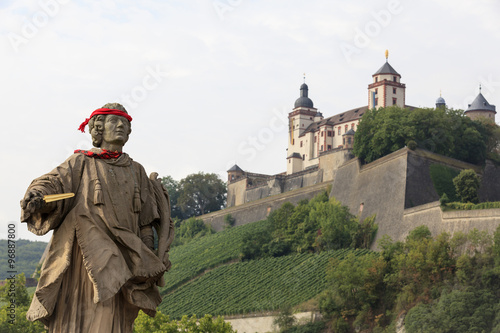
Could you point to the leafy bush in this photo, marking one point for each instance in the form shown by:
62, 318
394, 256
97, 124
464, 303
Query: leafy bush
162, 324
465, 311
444, 200
471, 206
466, 185
229, 221
315, 327
412, 144
285, 319
190, 229
316, 225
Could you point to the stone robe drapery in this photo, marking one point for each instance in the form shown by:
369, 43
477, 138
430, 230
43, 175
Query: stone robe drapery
105, 235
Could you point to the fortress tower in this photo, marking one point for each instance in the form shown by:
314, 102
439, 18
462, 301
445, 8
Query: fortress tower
303, 114
386, 88
480, 108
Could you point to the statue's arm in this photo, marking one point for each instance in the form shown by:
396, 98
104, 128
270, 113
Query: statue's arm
39, 215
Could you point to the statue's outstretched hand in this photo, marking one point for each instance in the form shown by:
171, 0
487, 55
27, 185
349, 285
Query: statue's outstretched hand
33, 202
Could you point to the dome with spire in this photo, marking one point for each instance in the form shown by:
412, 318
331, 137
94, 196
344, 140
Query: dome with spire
303, 100
440, 101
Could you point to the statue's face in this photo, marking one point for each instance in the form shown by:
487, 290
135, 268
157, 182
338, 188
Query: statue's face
116, 130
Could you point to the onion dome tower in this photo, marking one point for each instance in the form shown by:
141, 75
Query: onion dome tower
440, 102
304, 100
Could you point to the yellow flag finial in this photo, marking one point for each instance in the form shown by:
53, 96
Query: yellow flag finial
386, 54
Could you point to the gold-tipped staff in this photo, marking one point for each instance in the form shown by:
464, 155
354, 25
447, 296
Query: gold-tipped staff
56, 197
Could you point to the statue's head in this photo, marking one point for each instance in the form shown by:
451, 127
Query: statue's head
97, 123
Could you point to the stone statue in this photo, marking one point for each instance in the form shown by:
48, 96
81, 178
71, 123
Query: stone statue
101, 267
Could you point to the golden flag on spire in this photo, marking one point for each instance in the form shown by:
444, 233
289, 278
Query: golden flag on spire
386, 54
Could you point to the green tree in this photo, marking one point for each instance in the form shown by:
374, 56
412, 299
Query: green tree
467, 184
465, 311
201, 193
190, 229
15, 290
338, 225
446, 132
172, 187
285, 319
162, 324
355, 288
13, 313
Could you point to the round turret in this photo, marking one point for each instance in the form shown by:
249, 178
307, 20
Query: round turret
440, 102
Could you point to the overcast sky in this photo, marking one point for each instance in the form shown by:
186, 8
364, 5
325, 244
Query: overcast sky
209, 83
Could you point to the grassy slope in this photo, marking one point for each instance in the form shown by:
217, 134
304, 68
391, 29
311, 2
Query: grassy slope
242, 287
192, 259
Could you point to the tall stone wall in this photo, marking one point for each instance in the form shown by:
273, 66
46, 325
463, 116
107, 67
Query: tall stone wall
419, 187
397, 188
376, 188
236, 192
260, 209
331, 160
490, 183
438, 221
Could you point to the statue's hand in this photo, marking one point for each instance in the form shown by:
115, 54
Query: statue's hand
33, 202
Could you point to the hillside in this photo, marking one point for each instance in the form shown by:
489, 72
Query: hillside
253, 286
191, 259
28, 255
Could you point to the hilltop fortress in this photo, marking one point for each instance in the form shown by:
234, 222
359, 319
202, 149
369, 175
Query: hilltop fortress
397, 187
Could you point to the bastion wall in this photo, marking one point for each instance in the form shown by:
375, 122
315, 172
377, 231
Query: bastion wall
397, 188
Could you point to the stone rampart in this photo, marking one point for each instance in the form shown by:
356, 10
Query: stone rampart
438, 221
376, 188
390, 186
397, 188
260, 209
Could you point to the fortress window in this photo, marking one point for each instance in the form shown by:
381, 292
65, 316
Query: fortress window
329, 147
315, 137
394, 101
301, 143
376, 101
394, 90
321, 147
346, 128
343, 141
352, 126
303, 157
330, 133
321, 134
349, 140
394, 79
340, 128
376, 90
376, 79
